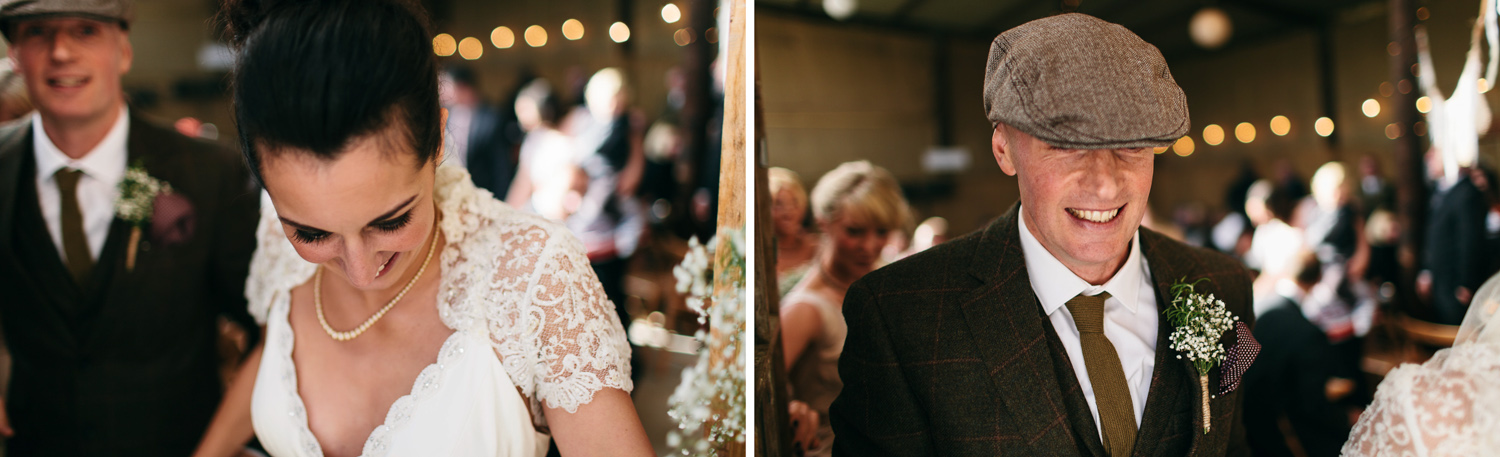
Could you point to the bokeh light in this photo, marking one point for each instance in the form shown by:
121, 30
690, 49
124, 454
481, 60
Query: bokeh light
1484, 85
1324, 126
572, 29
1184, 146
470, 48
1424, 104
619, 32
1392, 131
1245, 132
683, 36
1371, 108
670, 13
444, 44
502, 37
1280, 125
536, 36
1213, 134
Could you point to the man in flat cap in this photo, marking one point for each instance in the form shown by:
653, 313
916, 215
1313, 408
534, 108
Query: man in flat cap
111, 318
1046, 333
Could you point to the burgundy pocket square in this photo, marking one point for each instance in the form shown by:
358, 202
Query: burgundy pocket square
172, 219
1237, 359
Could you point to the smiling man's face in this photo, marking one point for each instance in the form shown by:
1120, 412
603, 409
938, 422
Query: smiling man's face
1083, 205
72, 66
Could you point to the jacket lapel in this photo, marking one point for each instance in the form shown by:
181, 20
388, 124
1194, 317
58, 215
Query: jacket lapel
119, 284
12, 151
1005, 314
1174, 384
36, 264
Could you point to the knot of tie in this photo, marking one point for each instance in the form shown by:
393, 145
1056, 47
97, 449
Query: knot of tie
1088, 312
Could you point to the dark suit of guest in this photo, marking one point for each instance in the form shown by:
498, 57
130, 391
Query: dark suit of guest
125, 363
1289, 379
1455, 250
491, 155
949, 353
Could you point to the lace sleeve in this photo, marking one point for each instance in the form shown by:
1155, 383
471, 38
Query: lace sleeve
564, 341
276, 267
1447, 406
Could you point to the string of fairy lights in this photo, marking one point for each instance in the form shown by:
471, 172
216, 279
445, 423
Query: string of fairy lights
536, 36
1245, 132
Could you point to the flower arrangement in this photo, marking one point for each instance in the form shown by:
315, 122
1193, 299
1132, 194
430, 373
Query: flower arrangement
136, 203
1200, 322
709, 404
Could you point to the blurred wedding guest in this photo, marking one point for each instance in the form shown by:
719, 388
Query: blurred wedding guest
856, 206
1275, 243
547, 155
1233, 232
1485, 180
1335, 232
931, 232
1375, 191
1455, 260
478, 134
111, 326
795, 244
609, 148
1295, 380
13, 100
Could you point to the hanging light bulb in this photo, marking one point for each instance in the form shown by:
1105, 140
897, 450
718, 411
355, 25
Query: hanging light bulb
1210, 28
840, 9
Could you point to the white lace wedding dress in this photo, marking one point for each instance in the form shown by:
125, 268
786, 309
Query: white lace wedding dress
526, 310
1448, 406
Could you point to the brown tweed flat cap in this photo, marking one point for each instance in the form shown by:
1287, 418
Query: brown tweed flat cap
1075, 81
11, 11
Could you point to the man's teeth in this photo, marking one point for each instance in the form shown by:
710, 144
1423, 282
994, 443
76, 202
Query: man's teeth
1095, 216
68, 82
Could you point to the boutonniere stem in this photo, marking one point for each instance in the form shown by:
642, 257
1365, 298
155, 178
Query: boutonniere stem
135, 205
1200, 322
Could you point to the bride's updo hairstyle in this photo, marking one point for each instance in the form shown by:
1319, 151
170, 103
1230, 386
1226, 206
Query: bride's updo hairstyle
313, 76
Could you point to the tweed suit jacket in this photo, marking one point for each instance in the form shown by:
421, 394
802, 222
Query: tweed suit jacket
949, 354
125, 364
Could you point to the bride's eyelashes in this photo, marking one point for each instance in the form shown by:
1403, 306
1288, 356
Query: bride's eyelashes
308, 236
393, 224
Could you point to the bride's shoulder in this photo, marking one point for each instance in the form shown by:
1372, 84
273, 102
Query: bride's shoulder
505, 242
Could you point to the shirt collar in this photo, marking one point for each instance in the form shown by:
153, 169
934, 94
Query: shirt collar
1055, 284
106, 162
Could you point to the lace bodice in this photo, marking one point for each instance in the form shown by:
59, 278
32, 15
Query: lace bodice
1448, 406
511, 280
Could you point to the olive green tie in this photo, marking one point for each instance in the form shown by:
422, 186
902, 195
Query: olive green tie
75, 243
1111, 393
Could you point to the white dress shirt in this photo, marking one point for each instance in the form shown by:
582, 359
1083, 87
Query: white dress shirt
1129, 315
103, 169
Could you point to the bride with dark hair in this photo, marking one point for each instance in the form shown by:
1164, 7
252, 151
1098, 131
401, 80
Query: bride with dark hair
405, 311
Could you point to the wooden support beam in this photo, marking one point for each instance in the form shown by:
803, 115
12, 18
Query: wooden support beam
1411, 179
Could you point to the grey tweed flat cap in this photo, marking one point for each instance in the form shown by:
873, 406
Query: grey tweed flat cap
11, 11
1075, 81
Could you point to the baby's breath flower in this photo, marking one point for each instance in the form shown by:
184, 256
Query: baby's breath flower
712, 384
138, 195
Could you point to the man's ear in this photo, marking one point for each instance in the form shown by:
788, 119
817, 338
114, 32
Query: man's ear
127, 52
1003, 149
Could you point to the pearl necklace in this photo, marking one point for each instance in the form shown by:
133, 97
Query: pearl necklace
349, 335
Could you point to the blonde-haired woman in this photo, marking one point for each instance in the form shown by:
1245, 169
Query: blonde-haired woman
795, 244
856, 205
